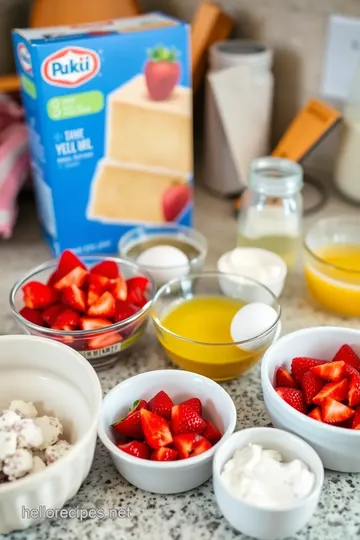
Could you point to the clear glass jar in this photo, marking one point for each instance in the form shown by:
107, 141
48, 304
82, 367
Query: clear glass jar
271, 208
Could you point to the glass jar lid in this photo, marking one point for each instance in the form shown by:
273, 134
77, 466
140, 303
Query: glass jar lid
275, 177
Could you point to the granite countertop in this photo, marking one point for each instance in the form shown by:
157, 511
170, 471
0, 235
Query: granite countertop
193, 514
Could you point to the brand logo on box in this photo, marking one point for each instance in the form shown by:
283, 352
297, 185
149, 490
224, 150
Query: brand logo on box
24, 57
70, 67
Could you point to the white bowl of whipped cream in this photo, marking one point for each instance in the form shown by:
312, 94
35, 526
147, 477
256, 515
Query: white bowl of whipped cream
267, 482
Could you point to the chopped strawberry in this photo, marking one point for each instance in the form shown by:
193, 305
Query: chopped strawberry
68, 319
136, 288
331, 371
301, 365
97, 286
316, 414
89, 323
92, 297
356, 419
190, 444
337, 391
32, 316
106, 268
184, 419
201, 445
75, 298
284, 379
104, 340
138, 282
211, 433
103, 307
137, 298
130, 426
195, 403
156, 429
135, 448
161, 404
119, 288
54, 277
51, 314
354, 391
347, 354
334, 412
311, 385
164, 454
68, 262
77, 277
139, 404
294, 398
349, 371
123, 311
38, 296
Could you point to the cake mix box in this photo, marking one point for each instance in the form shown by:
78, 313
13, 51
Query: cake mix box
109, 115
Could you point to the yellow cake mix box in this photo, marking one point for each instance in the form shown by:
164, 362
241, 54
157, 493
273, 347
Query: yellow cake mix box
109, 113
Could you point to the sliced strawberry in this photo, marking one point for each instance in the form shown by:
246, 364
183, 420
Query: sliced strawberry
139, 404
195, 403
123, 311
89, 323
130, 426
32, 316
51, 313
354, 391
136, 288
347, 354
334, 412
356, 419
54, 277
164, 454
75, 277
105, 268
38, 296
92, 297
201, 445
331, 371
97, 285
119, 288
311, 385
316, 414
294, 398
68, 320
337, 391
75, 298
138, 282
135, 448
302, 364
284, 379
68, 262
349, 371
137, 298
184, 419
104, 340
156, 429
211, 433
161, 404
190, 444
103, 307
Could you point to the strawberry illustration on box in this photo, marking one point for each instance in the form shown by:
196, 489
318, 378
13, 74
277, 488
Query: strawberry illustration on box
162, 72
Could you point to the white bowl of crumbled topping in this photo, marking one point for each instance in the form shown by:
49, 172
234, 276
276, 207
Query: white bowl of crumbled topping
50, 399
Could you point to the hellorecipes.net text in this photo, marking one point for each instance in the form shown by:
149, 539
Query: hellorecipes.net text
81, 514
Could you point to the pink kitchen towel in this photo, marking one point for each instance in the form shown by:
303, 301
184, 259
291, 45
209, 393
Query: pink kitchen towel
14, 161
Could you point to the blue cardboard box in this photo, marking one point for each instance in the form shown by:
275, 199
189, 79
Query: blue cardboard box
109, 114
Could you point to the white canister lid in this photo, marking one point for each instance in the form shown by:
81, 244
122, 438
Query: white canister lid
231, 53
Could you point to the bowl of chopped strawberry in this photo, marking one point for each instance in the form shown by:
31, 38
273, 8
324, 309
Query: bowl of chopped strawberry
311, 386
162, 428
97, 305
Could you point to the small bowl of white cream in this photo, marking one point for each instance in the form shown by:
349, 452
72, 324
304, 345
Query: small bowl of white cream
267, 482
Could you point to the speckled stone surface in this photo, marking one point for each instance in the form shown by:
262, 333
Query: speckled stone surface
195, 514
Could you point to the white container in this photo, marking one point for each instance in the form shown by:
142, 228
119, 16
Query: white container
60, 382
337, 447
173, 476
239, 96
263, 523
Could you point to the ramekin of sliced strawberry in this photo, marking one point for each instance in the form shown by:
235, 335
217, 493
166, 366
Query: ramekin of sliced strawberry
97, 305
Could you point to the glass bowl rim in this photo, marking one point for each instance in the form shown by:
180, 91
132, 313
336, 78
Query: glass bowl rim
214, 274
317, 257
52, 263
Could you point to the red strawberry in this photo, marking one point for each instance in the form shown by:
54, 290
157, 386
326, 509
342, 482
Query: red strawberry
137, 298
331, 371
130, 426
104, 340
195, 403
284, 379
139, 404
75, 277
356, 419
136, 288
354, 391
347, 354
138, 282
75, 298
89, 323
156, 429
164, 454
97, 286
119, 288
135, 448
161, 404
68, 319
68, 262
316, 414
294, 398
334, 412
38, 296
211, 433
175, 199
302, 364
54, 277
184, 419
123, 311
106, 268
311, 385
349, 371
162, 73
190, 444
32, 316
51, 314
337, 391
103, 307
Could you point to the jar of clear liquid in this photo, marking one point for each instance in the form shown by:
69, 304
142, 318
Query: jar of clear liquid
271, 209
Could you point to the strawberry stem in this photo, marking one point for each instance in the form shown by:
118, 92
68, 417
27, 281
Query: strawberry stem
163, 54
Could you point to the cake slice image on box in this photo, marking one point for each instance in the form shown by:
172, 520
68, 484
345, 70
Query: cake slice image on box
122, 193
